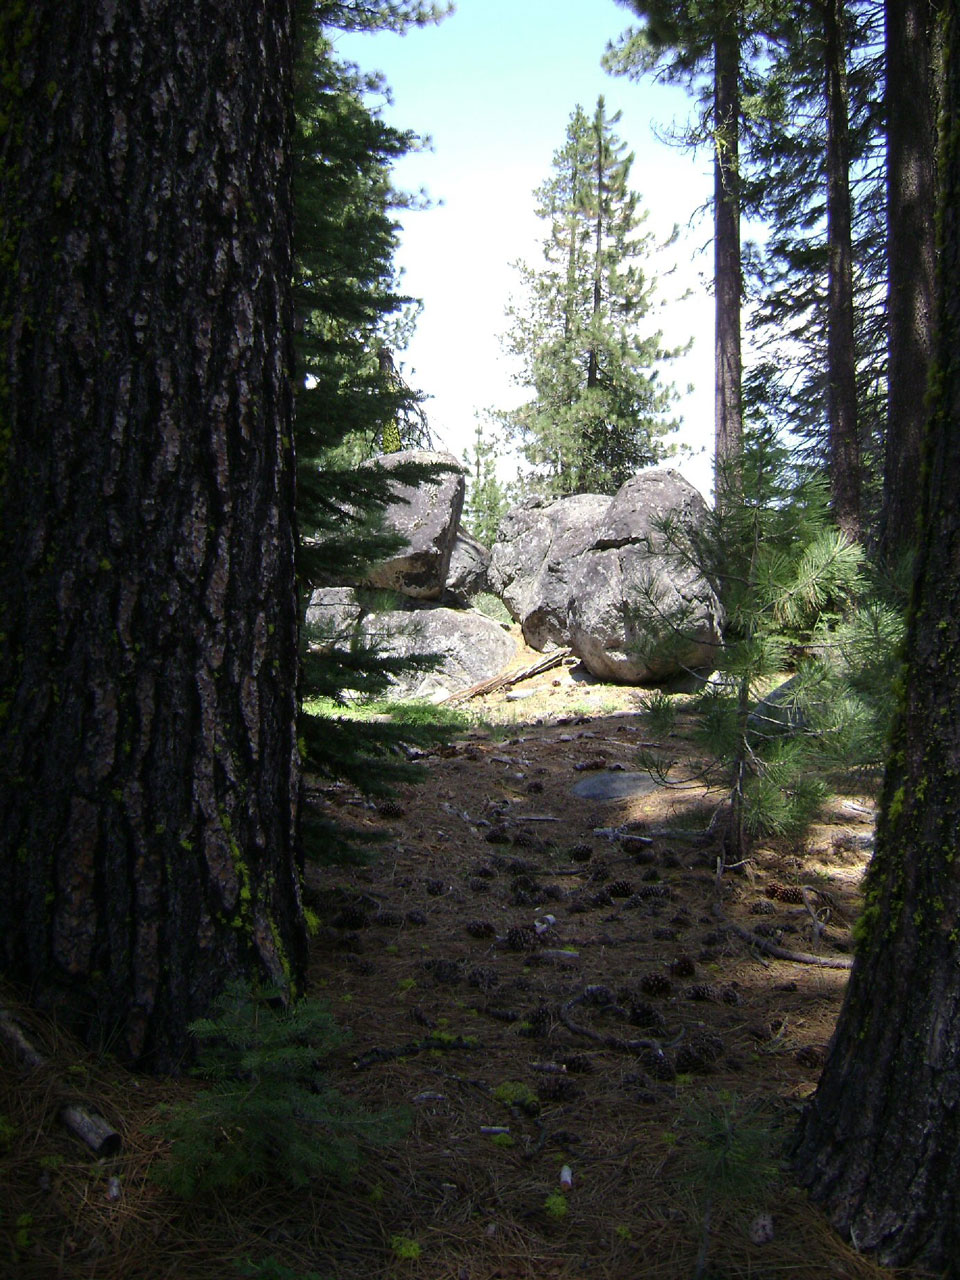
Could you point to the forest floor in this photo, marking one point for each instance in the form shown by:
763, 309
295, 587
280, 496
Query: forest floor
600, 1070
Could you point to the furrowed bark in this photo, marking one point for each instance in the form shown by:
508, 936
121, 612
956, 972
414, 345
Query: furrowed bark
148, 658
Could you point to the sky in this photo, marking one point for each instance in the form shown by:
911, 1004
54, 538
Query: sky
493, 87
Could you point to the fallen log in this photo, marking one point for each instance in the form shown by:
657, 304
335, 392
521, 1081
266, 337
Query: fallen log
506, 679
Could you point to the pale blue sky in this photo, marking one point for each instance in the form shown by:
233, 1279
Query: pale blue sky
493, 86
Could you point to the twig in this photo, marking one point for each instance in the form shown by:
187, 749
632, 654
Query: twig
608, 1041
100, 1137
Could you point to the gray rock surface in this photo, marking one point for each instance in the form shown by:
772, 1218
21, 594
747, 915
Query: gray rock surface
427, 517
614, 785
467, 575
625, 569
534, 558
473, 648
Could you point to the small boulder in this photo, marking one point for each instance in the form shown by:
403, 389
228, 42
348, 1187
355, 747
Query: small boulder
426, 516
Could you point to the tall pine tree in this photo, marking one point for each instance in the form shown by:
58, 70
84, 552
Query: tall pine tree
599, 408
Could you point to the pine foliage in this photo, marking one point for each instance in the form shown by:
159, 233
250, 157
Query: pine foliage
786, 578
351, 398
267, 1114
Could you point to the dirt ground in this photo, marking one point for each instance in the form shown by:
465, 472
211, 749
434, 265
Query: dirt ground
600, 1069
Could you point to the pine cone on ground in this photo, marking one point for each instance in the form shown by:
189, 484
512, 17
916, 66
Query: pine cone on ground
620, 888
785, 893
656, 984
581, 852
480, 929
683, 967
520, 938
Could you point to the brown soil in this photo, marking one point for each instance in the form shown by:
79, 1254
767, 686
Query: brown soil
544, 993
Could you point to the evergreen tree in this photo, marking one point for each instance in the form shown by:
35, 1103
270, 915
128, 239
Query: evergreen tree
706, 47
599, 407
350, 397
488, 498
817, 283
783, 574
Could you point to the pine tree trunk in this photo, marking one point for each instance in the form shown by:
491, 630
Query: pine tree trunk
911, 183
148, 658
728, 421
841, 350
879, 1147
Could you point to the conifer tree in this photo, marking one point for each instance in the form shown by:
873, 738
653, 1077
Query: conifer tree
487, 498
705, 47
599, 406
350, 399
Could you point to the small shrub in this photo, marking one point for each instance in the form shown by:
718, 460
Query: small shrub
556, 1205
268, 1114
406, 1250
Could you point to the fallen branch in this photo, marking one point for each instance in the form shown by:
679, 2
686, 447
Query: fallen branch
782, 953
609, 1041
506, 679
100, 1137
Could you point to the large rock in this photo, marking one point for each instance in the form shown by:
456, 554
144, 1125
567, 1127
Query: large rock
627, 578
467, 575
426, 516
471, 646
534, 559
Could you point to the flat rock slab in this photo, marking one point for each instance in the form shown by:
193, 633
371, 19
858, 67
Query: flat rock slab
611, 784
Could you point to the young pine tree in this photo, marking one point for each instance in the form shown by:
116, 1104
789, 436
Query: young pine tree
599, 408
784, 575
488, 498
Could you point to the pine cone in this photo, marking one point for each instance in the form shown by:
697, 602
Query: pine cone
645, 1015
482, 978
683, 967
525, 840
520, 938
434, 887
785, 892
476, 884
497, 835
481, 929
484, 871
656, 984
388, 919
581, 852
391, 809
703, 991
699, 1052
620, 889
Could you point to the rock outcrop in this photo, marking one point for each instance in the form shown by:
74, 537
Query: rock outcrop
636, 615
467, 575
427, 517
535, 557
471, 647
588, 571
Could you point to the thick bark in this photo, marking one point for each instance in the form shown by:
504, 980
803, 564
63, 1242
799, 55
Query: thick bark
911, 182
728, 415
879, 1146
148, 764
841, 349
